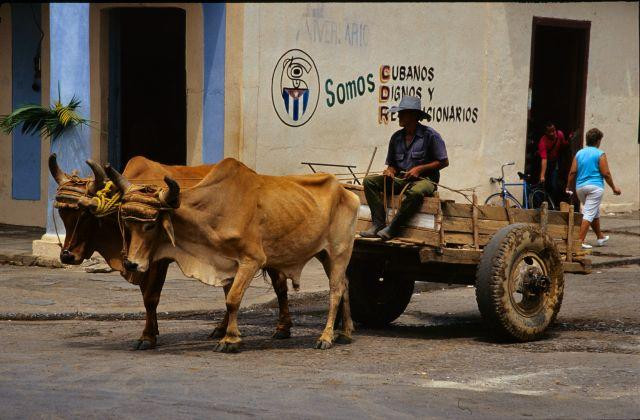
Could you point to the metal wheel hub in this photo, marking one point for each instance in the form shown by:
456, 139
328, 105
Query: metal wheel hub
528, 284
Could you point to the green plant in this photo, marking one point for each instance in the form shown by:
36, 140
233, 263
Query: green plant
49, 121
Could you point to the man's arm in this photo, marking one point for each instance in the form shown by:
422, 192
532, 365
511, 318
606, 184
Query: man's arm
542, 150
390, 171
391, 168
572, 175
417, 171
436, 151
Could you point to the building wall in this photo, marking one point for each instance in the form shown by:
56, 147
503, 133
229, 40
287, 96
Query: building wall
23, 199
479, 57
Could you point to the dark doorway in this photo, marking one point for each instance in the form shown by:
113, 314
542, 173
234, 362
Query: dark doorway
558, 86
147, 85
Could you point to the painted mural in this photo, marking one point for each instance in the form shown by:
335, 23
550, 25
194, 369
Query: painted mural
295, 88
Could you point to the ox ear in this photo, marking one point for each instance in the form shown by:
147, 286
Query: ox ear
168, 227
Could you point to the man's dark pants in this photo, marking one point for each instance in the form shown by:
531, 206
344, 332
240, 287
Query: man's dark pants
411, 200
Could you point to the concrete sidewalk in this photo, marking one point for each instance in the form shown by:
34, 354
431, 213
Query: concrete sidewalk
623, 246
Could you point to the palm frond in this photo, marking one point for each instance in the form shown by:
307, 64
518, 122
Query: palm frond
51, 122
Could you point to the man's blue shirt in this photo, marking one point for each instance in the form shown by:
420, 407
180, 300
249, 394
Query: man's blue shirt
427, 146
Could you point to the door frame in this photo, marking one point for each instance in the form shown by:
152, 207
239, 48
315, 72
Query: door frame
99, 53
562, 23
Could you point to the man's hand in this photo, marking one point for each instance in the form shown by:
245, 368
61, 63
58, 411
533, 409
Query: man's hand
413, 173
389, 171
617, 191
542, 179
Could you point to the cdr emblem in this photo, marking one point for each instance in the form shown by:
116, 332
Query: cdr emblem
295, 88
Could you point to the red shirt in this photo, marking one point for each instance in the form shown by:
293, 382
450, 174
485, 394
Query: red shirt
550, 149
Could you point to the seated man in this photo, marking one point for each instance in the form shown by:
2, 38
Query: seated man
416, 153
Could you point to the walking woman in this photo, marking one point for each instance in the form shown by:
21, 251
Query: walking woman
590, 165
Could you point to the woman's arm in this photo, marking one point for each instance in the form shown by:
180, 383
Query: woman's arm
606, 174
572, 175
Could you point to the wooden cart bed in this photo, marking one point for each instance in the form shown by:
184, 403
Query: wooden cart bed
448, 232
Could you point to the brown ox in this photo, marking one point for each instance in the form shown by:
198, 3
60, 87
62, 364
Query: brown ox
236, 222
87, 233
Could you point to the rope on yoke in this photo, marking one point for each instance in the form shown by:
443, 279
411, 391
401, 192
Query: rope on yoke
105, 204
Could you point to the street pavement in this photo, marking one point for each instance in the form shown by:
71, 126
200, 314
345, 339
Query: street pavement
67, 335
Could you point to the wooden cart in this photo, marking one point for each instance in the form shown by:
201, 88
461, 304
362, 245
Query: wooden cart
514, 257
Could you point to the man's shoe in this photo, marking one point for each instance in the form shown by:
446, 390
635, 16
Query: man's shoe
600, 242
372, 231
388, 233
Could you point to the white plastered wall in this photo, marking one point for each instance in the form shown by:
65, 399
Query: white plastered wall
480, 53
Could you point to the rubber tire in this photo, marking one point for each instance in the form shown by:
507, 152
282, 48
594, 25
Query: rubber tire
544, 194
509, 197
492, 294
374, 303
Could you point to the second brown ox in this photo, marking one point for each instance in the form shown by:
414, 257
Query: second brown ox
236, 222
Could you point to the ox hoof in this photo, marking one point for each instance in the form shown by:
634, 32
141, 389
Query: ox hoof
144, 344
218, 332
224, 347
343, 339
323, 345
280, 334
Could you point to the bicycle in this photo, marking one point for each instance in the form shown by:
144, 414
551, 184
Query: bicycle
533, 196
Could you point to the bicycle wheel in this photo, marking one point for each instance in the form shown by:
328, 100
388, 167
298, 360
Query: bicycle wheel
498, 200
539, 196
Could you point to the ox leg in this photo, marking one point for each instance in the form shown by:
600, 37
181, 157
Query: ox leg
151, 286
231, 341
220, 330
279, 282
335, 268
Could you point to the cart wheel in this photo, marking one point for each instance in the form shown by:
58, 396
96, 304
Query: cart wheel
377, 297
519, 282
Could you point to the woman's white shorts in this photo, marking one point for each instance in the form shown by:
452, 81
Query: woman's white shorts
591, 197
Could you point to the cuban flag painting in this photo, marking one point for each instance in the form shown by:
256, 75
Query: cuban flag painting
295, 101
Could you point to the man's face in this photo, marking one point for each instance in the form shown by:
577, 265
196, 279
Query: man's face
407, 117
550, 131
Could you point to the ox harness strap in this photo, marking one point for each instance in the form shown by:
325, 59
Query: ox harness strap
67, 196
140, 204
71, 191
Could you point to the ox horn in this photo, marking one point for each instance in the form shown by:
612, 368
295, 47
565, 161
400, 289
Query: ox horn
171, 197
55, 170
121, 182
99, 177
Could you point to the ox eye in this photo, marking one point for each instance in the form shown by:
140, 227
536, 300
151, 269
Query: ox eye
147, 227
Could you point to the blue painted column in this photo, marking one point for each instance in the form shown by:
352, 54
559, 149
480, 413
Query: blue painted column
213, 98
25, 156
69, 46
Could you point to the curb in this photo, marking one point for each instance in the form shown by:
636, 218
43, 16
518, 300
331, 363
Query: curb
270, 304
616, 263
29, 260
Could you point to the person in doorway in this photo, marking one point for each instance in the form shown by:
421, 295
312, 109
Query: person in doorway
415, 157
550, 148
591, 167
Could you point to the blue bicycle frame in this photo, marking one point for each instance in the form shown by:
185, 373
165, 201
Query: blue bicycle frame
524, 184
